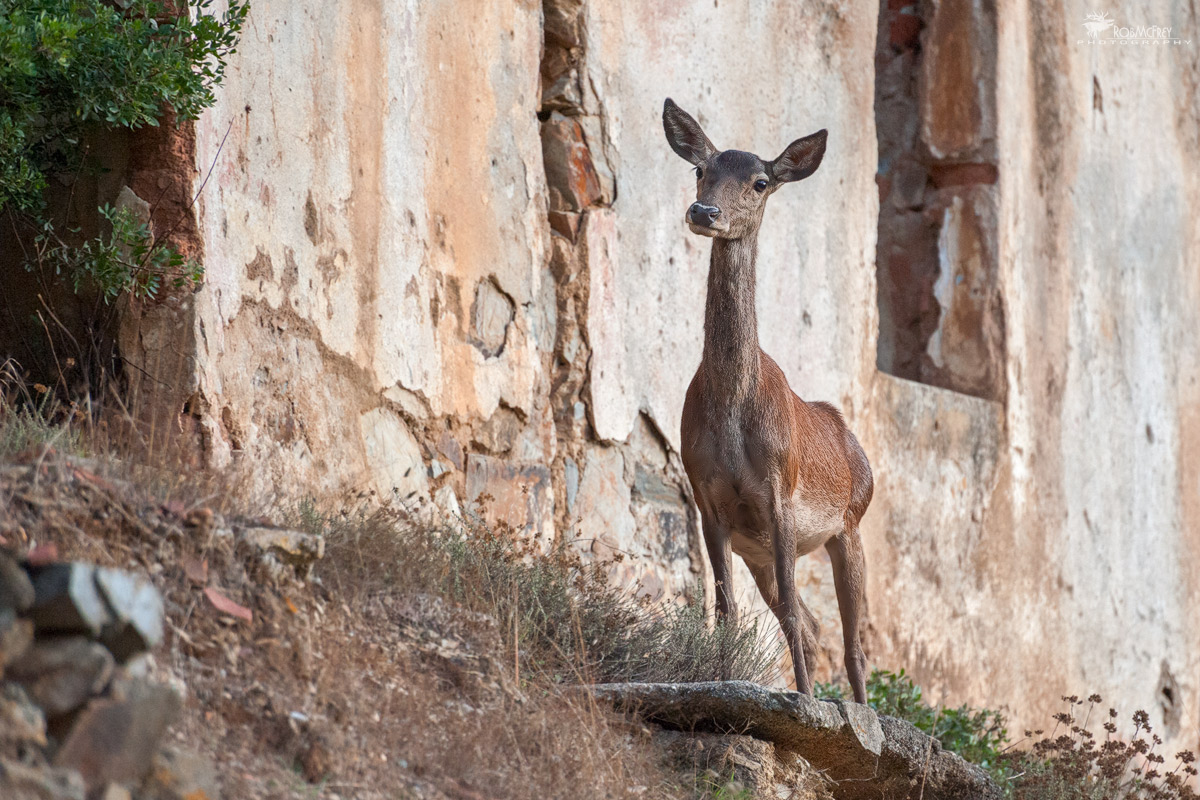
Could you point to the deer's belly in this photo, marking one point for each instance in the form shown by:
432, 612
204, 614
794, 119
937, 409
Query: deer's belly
816, 525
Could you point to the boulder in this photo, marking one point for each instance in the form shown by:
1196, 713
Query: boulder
61, 673
15, 637
843, 739
279, 547
67, 600
115, 791
116, 738
865, 755
137, 611
20, 720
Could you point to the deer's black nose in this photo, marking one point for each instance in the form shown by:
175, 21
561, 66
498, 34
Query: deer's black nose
700, 214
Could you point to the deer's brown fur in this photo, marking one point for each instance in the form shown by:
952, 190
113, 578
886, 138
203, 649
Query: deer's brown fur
775, 477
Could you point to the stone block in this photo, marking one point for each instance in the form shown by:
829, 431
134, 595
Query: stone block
61, 673
606, 524
563, 23
945, 175
904, 28
280, 547
137, 610
115, 739
560, 82
957, 83
615, 396
570, 170
908, 184
499, 432
16, 590
393, 456
67, 600
518, 494
491, 313
448, 446
565, 223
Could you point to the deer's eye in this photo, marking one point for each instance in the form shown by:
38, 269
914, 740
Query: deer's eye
760, 185
699, 173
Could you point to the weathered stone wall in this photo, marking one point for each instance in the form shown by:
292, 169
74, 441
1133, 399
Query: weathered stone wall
1048, 544
446, 261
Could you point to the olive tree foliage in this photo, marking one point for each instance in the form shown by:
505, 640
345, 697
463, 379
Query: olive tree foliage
68, 67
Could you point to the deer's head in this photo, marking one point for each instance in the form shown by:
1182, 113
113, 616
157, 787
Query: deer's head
732, 186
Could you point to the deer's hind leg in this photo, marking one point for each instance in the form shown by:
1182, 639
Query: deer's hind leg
849, 578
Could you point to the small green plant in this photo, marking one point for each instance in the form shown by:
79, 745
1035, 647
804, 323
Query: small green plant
127, 259
978, 735
70, 68
730, 788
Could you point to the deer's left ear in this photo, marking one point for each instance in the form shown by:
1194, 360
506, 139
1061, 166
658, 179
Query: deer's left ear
800, 158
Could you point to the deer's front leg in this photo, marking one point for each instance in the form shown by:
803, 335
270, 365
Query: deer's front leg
783, 523
720, 554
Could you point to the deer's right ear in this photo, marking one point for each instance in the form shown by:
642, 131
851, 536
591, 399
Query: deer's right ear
685, 135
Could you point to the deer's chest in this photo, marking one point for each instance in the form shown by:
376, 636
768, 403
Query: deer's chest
731, 465
730, 474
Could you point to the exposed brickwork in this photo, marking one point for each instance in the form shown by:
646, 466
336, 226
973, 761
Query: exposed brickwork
941, 319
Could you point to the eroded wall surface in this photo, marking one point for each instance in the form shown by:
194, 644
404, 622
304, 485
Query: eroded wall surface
446, 262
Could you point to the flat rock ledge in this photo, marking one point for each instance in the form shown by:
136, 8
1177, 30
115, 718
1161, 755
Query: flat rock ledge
865, 755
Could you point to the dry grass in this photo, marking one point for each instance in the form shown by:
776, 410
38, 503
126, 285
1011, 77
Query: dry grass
1073, 763
414, 663
560, 618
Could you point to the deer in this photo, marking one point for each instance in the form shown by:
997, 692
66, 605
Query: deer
774, 477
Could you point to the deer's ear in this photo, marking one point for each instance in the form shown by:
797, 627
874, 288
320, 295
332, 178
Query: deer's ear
685, 135
800, 158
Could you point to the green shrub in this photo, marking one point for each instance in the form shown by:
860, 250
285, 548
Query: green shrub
978, 735
68, 67
126, 259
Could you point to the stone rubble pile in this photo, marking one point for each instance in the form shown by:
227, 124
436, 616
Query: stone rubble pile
79, 716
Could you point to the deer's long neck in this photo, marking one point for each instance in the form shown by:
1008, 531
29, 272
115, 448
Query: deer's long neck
731, 353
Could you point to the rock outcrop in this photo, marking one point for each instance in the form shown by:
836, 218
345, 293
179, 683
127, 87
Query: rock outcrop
862, 754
